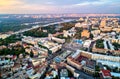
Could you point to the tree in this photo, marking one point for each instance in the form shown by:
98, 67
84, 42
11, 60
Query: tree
36, 33
96, 74
31, 54
66, 26
97, 68
10, 39
78, 32
79, 29
99, 43
91, 36
116, 45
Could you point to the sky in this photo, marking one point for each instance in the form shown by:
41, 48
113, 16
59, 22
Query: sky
59, 6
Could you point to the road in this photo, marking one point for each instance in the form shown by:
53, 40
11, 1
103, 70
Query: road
52, 56
83, 75
70, 47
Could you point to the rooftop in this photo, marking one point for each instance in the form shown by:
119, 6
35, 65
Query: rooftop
106, 72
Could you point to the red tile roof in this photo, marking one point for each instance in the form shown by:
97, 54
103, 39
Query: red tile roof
14, 57
29, 66
106, 72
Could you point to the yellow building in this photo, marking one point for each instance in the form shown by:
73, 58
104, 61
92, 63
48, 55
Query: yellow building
106, 29
103, 23
85, 33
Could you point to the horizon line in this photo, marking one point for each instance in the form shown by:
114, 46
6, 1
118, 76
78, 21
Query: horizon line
51, 13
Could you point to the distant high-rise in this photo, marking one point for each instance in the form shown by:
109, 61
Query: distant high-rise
81, 19
86, 20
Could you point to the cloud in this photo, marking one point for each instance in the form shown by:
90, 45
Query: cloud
51, 3
96, 3
7, 6
58, 6
10, 2
20, 6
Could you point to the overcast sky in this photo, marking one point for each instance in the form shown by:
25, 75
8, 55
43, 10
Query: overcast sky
59, 6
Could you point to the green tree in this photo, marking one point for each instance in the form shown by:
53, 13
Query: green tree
91, 36
116, 45
78, 32
99, 43
31, 54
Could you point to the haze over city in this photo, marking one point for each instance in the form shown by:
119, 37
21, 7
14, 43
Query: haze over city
59, 6
59, 39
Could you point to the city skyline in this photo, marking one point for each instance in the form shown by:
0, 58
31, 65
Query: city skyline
59, 6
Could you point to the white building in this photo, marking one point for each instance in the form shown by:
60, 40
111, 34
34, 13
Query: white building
105, 45
58, 40
56, 48
111, 46
78, 25
3, 36
87, 43
95, 32
70, 32
105, 57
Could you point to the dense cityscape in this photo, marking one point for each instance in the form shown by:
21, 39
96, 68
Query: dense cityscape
59, 39
73, 47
